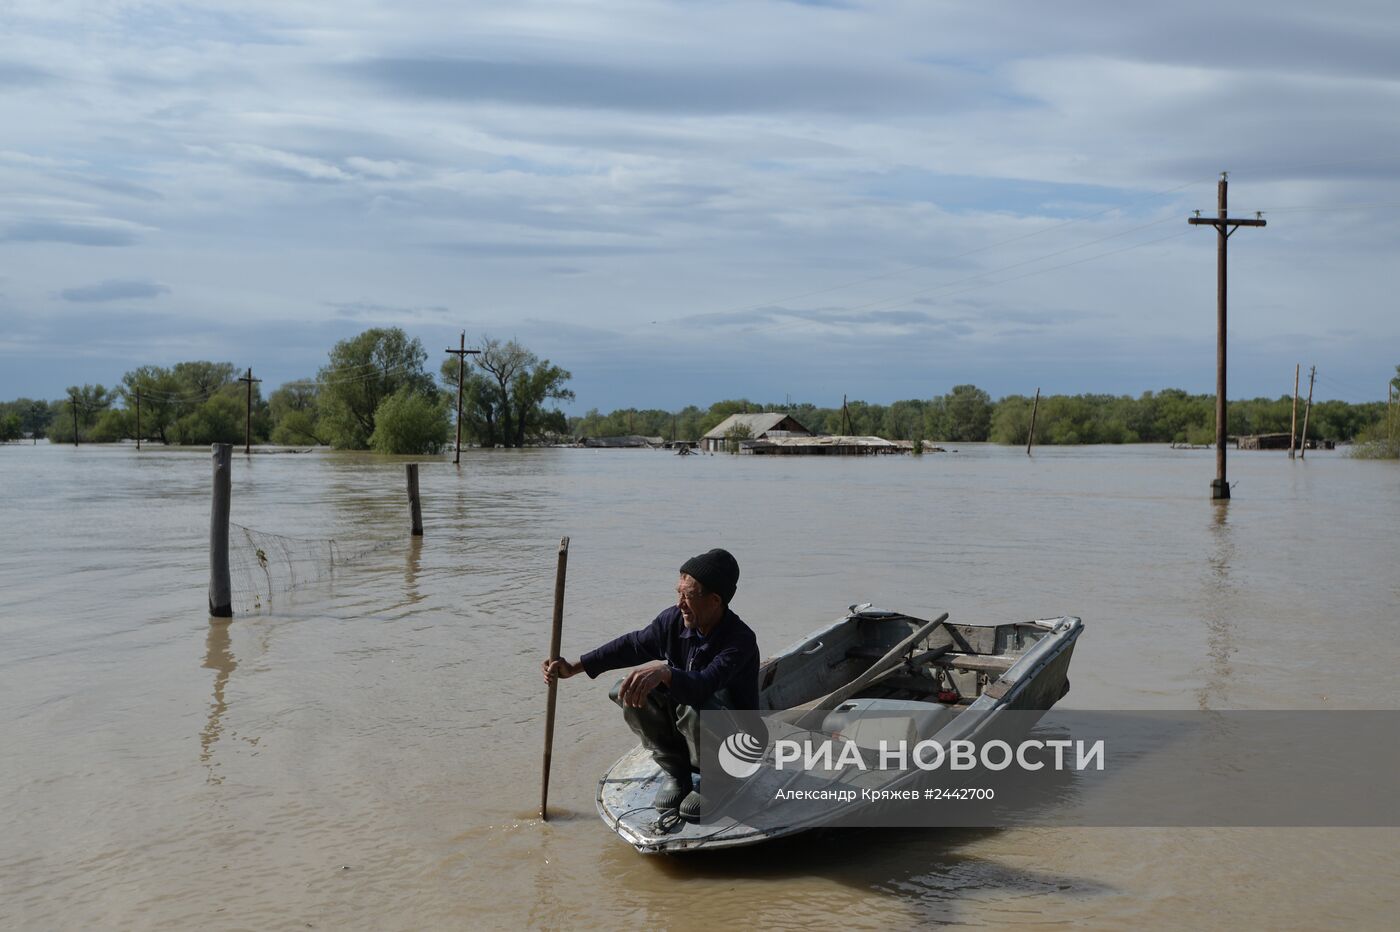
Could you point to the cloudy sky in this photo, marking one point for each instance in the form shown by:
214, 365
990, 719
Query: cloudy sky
688, 201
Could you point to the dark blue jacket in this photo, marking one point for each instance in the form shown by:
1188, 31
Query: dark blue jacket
700, 666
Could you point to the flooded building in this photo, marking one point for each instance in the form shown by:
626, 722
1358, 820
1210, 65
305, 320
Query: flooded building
768, 425
630, 442
822, 446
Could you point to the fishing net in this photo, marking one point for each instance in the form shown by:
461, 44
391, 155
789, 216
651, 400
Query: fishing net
262, 564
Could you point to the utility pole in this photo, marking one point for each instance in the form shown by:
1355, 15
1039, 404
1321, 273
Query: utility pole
73, 400
1303, 452
138, 419
1034, 408
461, 352
248, 415
1224, 226
845, 418
1390, 414
1293, 427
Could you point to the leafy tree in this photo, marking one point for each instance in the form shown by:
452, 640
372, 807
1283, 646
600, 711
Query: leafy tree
90, 402
10, 428
735, 435
33, 415
295, 411
409, 422
505, 392
217, 420
362, 372
969, 412
112, 426
1381, 438
904, 420
200, 379
1011, 421
651, 422
721, 410
164, 397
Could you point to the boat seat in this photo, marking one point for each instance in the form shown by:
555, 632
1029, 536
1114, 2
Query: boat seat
869, 721
982, 663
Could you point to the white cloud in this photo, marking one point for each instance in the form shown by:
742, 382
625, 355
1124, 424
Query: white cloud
289, 162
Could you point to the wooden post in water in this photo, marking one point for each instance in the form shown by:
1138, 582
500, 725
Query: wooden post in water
1224, 225
220, 586
1303, 451
414, 505
1034, 408
1293, 427
555, 639
248, 415
73, 400
138, 419
461, 352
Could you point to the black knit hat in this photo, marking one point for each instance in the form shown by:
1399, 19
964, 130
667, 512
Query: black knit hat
716, 570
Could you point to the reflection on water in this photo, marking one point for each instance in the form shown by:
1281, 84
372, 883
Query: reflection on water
1219, 609
218, 656
893, 878
413, 566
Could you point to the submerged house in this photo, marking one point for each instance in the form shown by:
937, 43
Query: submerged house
769, 425
823, 445
629, 442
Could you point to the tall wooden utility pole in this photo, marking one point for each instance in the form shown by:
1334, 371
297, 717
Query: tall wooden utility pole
1224, 226
1303, 451
1390, 409
1035, 408
461, 352
138, 419
1293, 427
248, 414
73, 400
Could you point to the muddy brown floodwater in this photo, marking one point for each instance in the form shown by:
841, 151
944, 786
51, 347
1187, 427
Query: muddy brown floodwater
364, 751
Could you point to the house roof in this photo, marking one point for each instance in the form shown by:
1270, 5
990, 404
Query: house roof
758, 424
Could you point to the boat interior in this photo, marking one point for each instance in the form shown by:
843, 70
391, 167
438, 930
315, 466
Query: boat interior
951, 665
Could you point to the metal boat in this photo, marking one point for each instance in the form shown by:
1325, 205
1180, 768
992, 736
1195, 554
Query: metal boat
927, 674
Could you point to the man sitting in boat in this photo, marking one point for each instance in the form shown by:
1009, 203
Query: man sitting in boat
695, 655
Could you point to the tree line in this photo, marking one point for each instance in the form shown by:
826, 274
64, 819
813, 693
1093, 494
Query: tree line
968, 414
374, 393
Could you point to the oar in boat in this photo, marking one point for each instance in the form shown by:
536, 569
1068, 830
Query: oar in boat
885, 664
554, 643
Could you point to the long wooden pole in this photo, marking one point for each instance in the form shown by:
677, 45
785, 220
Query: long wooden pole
1220, 488
1224, 226
220, 586
1303, 447
461, 377
1036, 407
1293, 427
555, 637
138, 419
248, 414
461, 352
415, 507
